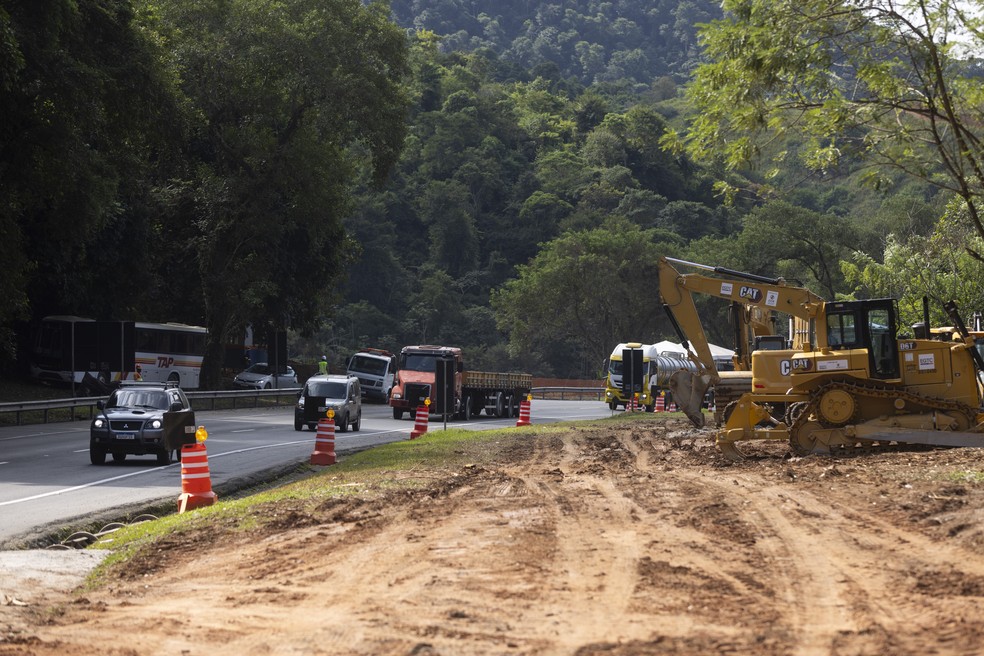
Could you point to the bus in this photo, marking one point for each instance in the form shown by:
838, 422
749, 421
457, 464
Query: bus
66, 348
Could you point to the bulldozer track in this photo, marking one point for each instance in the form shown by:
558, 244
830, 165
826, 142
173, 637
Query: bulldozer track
798, 414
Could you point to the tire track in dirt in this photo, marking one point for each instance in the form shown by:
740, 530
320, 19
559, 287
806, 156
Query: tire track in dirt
619, 541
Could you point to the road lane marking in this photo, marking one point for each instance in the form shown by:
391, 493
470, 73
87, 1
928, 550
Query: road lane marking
176, 464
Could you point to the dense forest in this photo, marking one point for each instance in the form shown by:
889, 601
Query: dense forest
502, 176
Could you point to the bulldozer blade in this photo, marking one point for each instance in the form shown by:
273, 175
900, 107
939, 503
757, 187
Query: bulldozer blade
688, 392
928, 437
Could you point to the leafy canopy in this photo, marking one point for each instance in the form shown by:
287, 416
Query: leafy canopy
886, 81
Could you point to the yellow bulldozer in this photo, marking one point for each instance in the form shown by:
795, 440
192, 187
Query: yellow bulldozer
851, 382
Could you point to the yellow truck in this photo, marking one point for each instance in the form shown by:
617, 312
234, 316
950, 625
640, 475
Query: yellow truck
656, 371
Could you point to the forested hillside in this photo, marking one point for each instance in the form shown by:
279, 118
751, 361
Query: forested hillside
496, 175
612, 44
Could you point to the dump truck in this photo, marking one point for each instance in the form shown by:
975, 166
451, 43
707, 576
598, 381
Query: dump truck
854, 382
498, 394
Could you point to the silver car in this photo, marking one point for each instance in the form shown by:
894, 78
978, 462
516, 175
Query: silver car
261, 376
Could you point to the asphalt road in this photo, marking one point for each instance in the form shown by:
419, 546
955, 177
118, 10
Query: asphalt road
47, 483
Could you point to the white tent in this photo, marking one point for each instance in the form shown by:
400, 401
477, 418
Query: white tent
667, 347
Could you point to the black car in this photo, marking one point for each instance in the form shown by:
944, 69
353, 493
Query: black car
141, 419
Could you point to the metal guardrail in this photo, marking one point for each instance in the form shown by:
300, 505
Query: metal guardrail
569, 393
239, 399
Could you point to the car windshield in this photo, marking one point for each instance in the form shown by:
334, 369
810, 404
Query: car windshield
371, 366
329, 390
263, 369
138, 399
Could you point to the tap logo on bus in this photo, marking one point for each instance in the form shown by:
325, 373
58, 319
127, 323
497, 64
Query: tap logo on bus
751, 293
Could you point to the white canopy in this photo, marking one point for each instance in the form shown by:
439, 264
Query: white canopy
667, 347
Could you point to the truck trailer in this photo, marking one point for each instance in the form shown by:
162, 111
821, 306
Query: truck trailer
498, 394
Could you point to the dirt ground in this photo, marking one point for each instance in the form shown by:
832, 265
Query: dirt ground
633, 540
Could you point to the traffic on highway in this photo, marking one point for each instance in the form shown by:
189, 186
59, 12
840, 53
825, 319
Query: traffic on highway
48, 483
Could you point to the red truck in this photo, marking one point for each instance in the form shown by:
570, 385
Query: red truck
498, 394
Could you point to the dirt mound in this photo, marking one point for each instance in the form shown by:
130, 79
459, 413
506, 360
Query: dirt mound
639, 539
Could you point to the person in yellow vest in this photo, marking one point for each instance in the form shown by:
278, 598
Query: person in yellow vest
323, 365
137, 376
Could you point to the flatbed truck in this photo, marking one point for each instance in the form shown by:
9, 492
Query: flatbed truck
497, 394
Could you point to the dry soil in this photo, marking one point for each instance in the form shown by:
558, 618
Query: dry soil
632, 539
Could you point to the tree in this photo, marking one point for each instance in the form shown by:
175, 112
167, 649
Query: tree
85, 108
590, 289
290, 98
782, 240
937, 267
886, 81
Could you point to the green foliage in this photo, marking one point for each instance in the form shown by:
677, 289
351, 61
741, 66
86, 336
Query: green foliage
281, 89
84, 103
620, 43
904, 97
938, 266
587, 289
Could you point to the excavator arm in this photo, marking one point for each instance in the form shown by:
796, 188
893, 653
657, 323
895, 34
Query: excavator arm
757, 294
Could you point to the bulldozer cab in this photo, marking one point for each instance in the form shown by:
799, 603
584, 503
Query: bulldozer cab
868, 324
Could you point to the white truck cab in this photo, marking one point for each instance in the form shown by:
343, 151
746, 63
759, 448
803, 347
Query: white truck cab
375, 369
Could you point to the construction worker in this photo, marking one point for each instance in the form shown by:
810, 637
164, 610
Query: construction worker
137, 375
323, 365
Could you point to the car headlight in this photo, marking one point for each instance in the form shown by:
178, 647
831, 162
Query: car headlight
608, 394
396, 395
300, 403
98, 423
156, 423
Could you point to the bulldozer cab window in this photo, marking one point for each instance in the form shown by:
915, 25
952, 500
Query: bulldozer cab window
842, 331
884, 355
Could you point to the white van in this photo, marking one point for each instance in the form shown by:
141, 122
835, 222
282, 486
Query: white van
375, 370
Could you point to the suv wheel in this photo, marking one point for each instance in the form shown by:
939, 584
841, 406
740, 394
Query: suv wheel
298, 425
358, 421
97, 455
118, 457
343, 424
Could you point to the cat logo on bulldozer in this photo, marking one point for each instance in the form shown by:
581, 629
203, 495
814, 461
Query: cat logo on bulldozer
753, 294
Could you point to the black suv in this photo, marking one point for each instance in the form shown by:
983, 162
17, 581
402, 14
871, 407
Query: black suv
140, 419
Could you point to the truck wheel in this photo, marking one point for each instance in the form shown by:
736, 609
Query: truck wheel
466, 409
500, 404
397, 413
613, 406
514, 405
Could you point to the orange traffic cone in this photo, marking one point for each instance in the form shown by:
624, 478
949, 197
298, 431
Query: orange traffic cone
632, 404
660, 403
324, 443
420, 423
196, 481
524, 413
